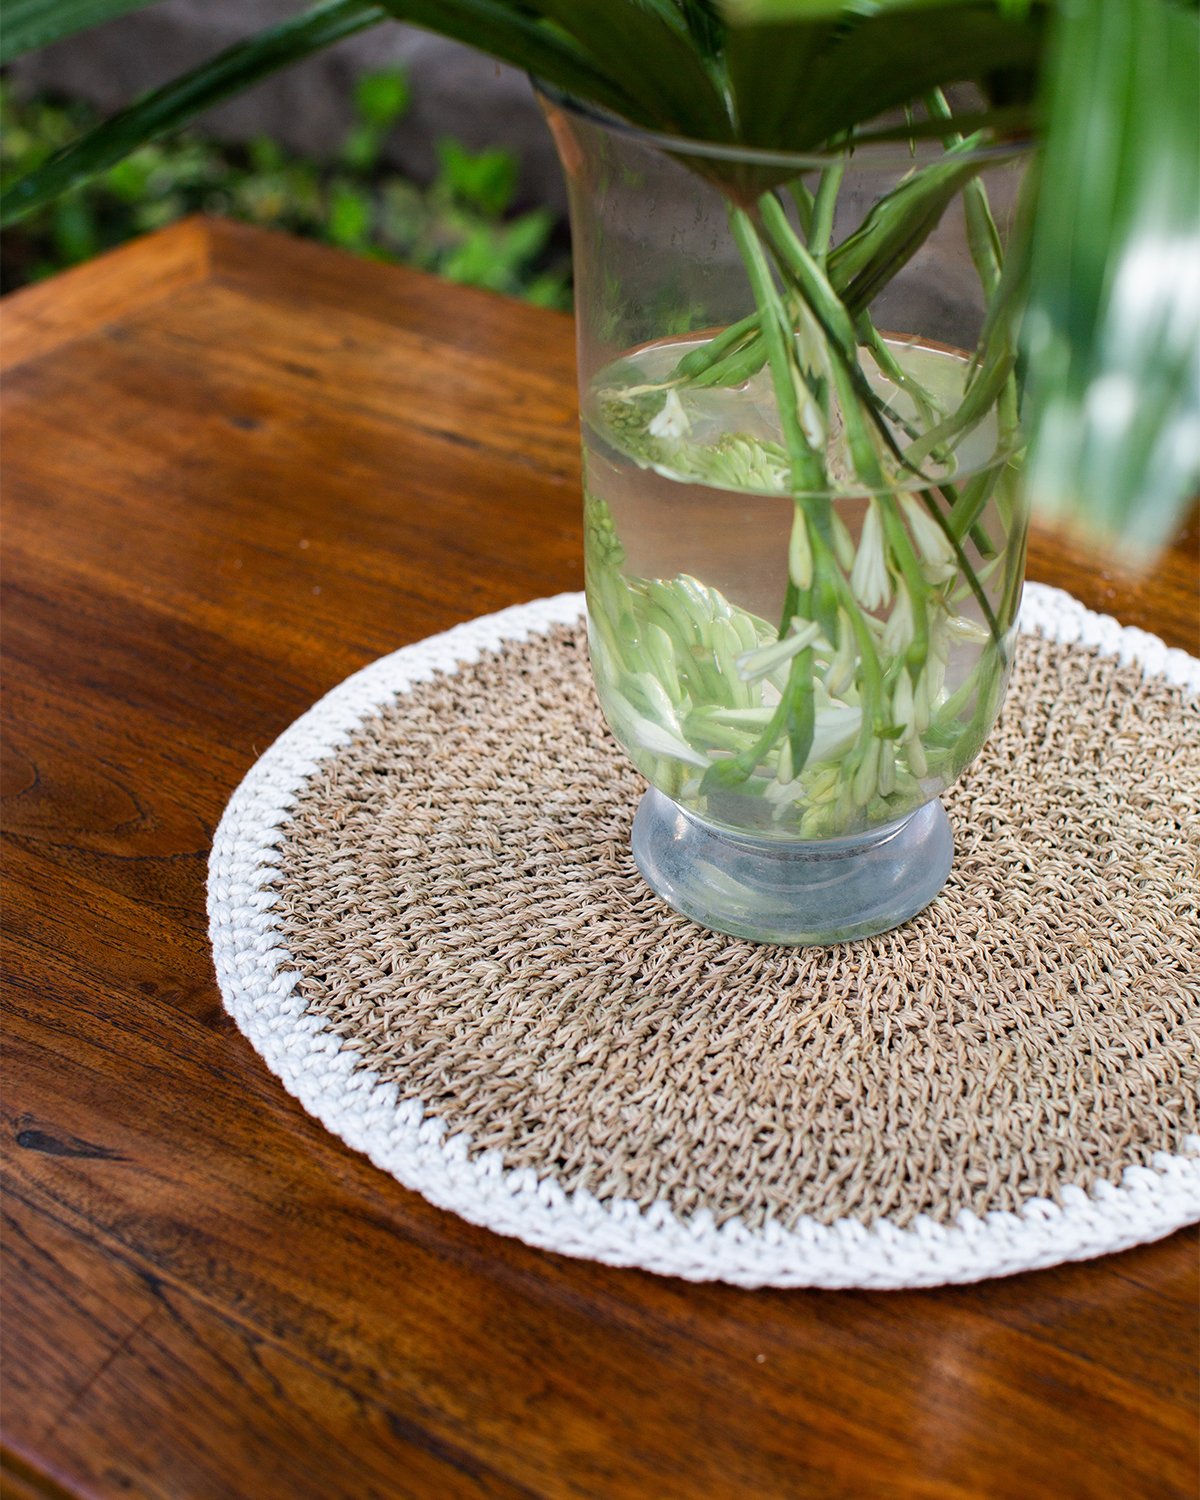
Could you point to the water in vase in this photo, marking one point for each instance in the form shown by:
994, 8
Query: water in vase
797, 712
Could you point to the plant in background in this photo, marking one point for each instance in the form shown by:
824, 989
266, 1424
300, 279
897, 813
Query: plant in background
461, 226
905, 534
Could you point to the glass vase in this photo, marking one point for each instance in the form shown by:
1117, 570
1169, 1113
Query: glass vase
805, 530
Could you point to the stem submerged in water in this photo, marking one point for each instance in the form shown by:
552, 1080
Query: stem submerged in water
817, 589
839, 713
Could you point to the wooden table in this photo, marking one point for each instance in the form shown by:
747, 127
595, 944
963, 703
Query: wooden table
237, 468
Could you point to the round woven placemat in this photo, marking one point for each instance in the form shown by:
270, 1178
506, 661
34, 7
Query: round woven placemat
426, 917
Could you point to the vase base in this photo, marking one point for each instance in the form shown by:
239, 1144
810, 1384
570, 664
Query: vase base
813, 893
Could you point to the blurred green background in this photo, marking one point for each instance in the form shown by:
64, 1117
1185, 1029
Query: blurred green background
462, 224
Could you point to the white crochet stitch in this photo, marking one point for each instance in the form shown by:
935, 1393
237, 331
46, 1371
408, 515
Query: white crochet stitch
325, 1074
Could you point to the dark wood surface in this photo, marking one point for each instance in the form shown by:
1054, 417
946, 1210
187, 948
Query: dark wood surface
236, 468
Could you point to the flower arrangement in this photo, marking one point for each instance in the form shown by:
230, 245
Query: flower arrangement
1112, 86
1113, 317
841, 714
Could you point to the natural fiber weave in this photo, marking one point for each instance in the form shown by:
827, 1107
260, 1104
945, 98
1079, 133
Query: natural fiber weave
457, 892
426, 918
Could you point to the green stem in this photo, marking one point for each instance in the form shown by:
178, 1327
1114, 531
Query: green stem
966, 507
803, 199
965, 568
696, 361
909, 564
806, 466
870, 671
830, 312
823, 592
794, 715
740, 365
929, 409
987, 255
824, 203
832, 315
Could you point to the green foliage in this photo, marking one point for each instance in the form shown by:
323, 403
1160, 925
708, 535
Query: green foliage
460, 226
670, 65
1112, 333
803, 75
380, 99
484, 179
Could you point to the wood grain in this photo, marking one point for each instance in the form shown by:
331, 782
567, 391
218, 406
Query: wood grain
87, 298
230, 481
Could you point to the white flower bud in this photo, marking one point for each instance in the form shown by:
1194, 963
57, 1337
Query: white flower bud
921, 704
959, 628
800, 558
834, 731
939, 640
783, 768
863, 787
672, 421
902, 704
824, 785
752, 665
869, 578
935, 681
939, 562
843, 542
844, 665
811, 420
898, 633
887, 770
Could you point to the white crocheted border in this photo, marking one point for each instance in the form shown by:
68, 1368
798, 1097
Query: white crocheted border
327, 1077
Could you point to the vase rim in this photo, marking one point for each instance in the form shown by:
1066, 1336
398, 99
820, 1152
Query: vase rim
867, 154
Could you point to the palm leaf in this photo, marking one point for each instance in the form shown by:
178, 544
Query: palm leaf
649, 48
774, 12
886, 62
769, 71
1016, 121
900, 223
517, 34
817, 69
704, 25
503, 27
